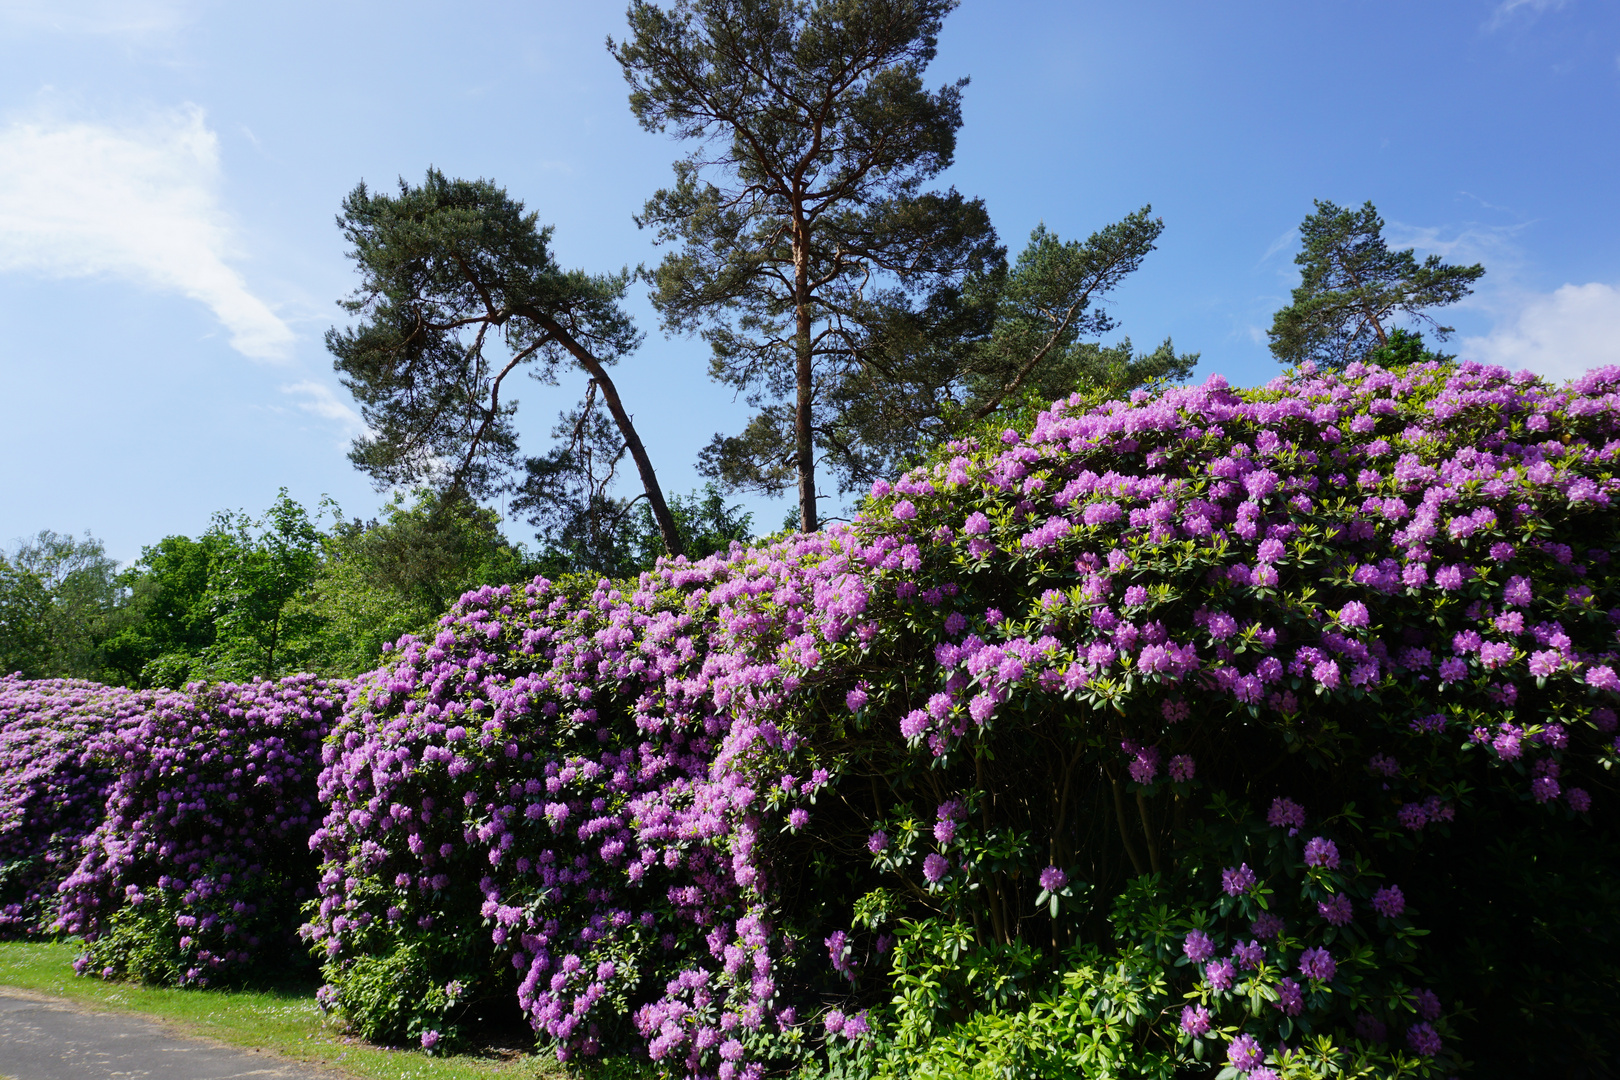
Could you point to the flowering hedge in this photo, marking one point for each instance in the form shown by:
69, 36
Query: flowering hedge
198, 871
1269, 730
52, 788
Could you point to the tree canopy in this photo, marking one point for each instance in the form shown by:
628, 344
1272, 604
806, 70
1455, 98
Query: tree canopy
459, 290
1352, 288
802, 199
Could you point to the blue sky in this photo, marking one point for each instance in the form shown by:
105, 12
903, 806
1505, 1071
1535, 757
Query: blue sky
170, 169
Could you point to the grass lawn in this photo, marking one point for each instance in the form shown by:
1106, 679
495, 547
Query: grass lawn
288, 1023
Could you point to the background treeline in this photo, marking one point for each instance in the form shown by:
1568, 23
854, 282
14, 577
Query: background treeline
293, 589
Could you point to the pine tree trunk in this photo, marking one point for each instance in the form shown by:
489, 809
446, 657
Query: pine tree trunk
803, 436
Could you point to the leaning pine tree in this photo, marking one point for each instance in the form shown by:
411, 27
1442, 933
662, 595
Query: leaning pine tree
1209, 733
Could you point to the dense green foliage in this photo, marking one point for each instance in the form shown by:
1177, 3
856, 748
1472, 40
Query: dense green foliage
58, 602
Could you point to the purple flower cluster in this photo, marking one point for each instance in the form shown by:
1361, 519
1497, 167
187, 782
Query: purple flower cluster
53, 785
612, 778
206, 827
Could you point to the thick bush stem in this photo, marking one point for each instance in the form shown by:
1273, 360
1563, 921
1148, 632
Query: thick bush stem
1124, 833
1147, 830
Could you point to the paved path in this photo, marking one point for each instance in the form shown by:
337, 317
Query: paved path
43, 1038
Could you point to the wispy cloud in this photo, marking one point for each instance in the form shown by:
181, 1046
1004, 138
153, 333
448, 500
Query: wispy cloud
1507, 9
1559, 334
321, 400
140, 203
1286, 240
121, 18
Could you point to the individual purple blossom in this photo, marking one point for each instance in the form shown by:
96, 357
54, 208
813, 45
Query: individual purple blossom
944, 831
1389, 901
1243, 1053
1235, 881
1220, 974
914, 723
1317, 963
1270, 550
1290, 997
430, 1039
1182, 768
1426, 1003
935, 867
1198, 946
1423, 1039
1195, 1020
1579, 801
904, 510
1053, 879
1320, 851
1144, 768
1335, 910
1287, 813
1248, 954
798, 818
878, 842
1354, 614
1453, 669
855, 699
857, 1026
1267, 926
1449, 578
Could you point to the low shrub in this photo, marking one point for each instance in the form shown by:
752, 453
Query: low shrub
197, 873
52, 788
1212, 732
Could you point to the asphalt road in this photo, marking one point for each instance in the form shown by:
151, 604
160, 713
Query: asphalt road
42, 1038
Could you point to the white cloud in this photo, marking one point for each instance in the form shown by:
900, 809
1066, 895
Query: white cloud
121, 18
1559, 334
321, 400
138, 203
1507, 8
1286, 240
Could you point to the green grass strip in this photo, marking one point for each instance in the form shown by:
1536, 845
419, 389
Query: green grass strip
287, 1023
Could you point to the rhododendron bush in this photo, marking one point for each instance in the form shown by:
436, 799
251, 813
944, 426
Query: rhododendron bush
52, 788
1262, 731
197, 872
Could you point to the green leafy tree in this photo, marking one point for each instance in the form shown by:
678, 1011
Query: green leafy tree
459, 290
258, 568
1352, 288
802, 203
221, 606
395, 575
59, 602
25, 603
168, 621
